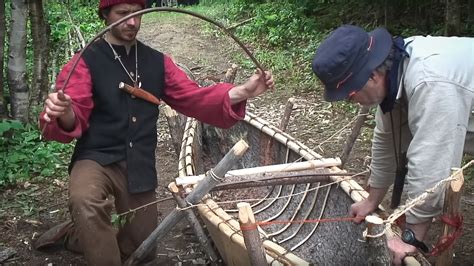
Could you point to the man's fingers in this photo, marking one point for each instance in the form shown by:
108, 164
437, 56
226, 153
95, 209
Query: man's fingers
46, 118
61, 96
55, 107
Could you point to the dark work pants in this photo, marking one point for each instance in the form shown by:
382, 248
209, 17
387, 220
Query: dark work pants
93, 191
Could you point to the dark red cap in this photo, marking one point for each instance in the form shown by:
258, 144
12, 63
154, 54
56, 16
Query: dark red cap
107, 3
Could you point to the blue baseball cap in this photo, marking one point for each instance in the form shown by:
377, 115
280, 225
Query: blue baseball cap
345, 61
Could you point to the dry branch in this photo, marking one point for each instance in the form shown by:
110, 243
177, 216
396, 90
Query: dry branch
286, 115
213, 177
240, 23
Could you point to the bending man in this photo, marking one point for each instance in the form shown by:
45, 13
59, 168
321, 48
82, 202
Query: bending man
424, 89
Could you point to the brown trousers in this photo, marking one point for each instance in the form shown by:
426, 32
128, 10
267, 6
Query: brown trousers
90, 203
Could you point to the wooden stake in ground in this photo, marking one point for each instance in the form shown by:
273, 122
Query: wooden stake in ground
176, 124
378, 254
451, 208
253, 242
285, 119
267, 141
194, 222
361, 117
213, 177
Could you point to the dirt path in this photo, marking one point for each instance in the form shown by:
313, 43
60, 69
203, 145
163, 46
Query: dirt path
208, 55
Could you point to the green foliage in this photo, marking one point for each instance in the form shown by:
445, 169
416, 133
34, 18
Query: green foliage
25, 156
62, 19
276, 23
119, 220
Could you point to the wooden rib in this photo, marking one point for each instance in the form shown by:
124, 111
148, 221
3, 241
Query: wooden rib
313, 204
284, 205
303, 198
317, 224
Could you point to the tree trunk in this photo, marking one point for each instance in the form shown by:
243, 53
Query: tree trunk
3, 104
17, 81
40, 35
453, 18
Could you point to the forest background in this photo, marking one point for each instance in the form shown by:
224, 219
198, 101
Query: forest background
38, 36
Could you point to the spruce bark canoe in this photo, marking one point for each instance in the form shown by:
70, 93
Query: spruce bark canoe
327, 243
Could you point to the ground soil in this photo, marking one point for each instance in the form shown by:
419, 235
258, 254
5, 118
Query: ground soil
31, 208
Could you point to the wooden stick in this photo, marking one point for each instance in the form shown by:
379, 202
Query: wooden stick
378, 250
289, 167
213, 177
275, 179
286, 115
451, 207
230, 74
361, 117
267, 140
240, 23
176, 127
194, 222
253, 242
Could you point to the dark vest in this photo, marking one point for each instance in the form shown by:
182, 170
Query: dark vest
122, 127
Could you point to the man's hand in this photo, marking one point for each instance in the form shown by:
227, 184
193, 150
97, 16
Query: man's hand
365, 207
58, 106
361, 209
399, 249
257, 84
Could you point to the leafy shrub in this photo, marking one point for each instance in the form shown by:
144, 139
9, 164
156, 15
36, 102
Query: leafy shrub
25, 156
278, 23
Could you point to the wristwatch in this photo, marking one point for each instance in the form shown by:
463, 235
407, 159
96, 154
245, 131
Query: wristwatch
408, 236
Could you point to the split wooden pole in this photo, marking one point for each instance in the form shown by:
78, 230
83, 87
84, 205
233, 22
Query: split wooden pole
255, 171
277, 179
194, 222
451, 208
253, 242
378, 250
213, 177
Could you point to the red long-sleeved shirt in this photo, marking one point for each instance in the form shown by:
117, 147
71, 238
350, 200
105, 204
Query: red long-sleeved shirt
208, 104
